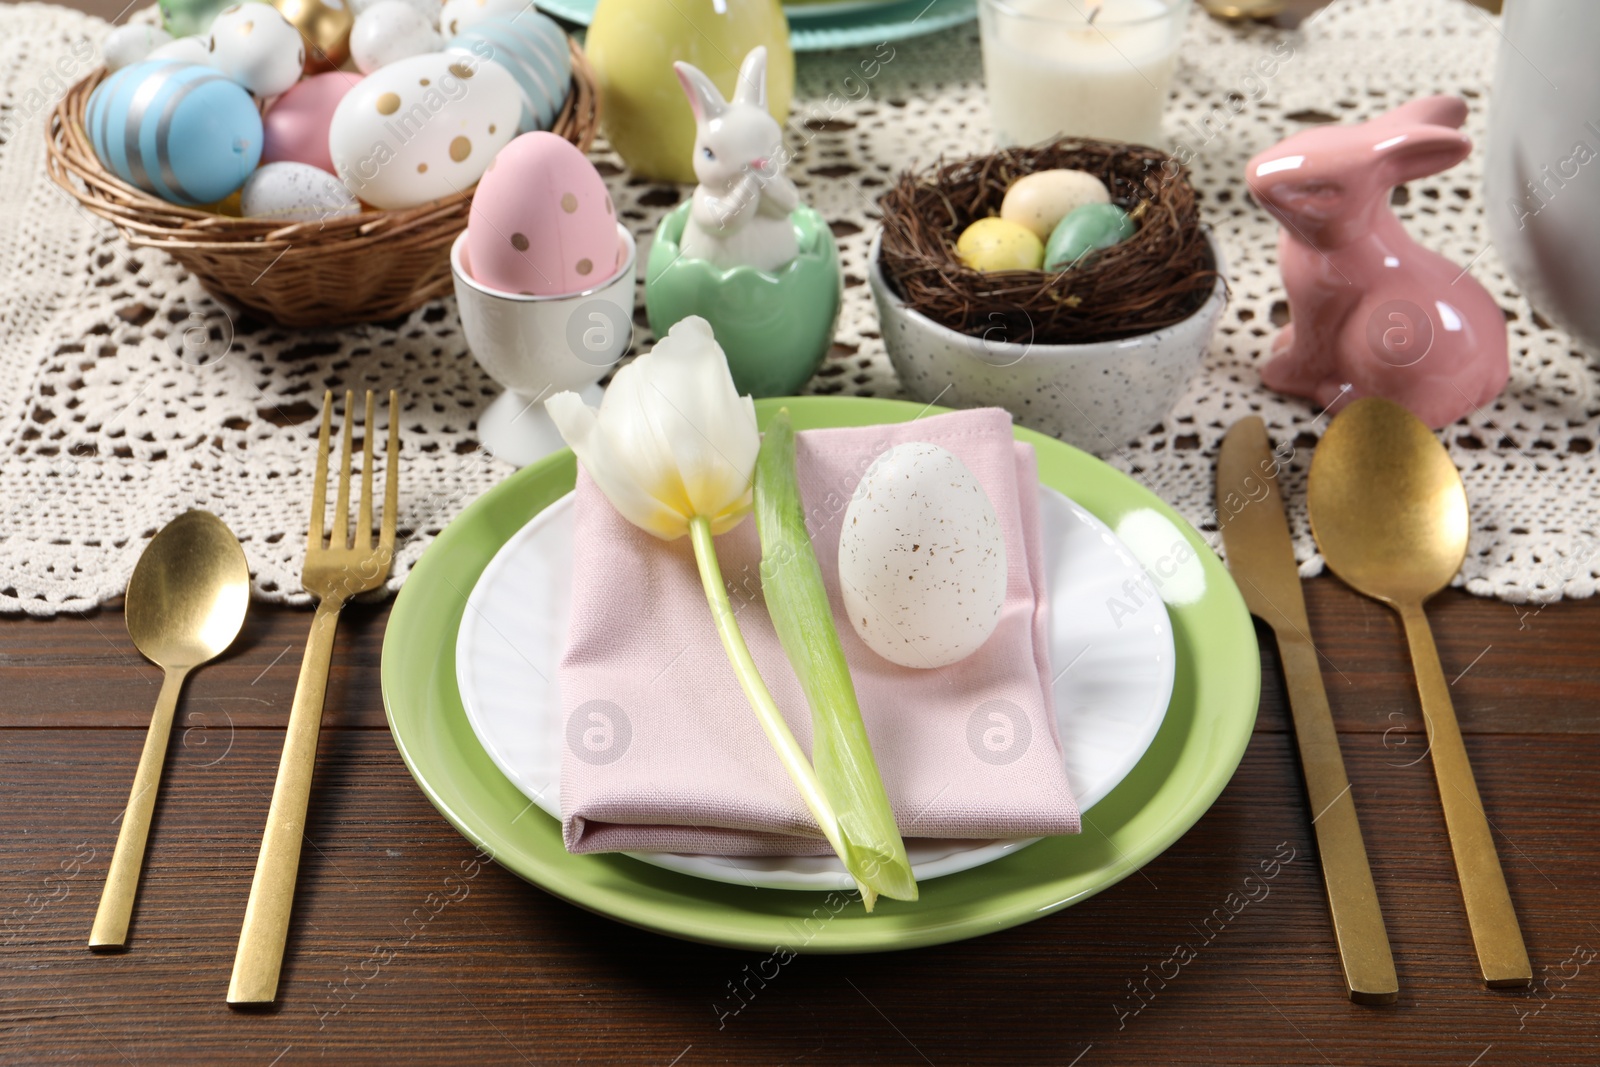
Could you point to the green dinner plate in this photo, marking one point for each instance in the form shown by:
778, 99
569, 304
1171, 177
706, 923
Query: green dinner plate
1195, 753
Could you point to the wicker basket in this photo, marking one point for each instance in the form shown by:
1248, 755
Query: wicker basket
361, 268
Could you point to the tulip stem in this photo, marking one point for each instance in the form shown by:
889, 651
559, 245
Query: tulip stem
755, 690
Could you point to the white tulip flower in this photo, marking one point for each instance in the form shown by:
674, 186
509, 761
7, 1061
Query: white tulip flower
672, 439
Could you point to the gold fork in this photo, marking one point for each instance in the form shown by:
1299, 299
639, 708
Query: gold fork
334, 572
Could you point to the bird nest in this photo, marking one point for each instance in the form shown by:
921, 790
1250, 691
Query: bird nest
1156, 278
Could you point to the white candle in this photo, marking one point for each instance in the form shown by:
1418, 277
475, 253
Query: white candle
1051, 69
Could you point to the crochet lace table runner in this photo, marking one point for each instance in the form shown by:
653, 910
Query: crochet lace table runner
109, 431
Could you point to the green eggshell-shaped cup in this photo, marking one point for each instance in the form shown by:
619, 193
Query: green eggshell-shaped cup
775, 327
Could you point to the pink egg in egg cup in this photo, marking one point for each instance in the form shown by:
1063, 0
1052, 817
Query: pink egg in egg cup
537, 346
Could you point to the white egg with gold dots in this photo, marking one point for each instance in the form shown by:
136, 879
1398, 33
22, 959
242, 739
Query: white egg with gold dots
257, 47
423, 128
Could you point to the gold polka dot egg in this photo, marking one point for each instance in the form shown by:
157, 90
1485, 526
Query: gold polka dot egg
422, 128
255, 46
542, 223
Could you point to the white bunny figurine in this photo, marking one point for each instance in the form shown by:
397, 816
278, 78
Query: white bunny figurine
740, 213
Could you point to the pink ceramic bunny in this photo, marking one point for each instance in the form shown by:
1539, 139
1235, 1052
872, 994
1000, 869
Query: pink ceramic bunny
740, 213
1374, 313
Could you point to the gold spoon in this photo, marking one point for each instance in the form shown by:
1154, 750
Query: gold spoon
1389, 513
185, 604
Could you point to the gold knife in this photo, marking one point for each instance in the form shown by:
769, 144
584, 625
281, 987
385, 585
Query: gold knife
1255, 532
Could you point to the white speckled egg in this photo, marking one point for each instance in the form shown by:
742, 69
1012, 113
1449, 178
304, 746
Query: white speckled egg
422, 128
295, 192
389, 31
257, 47
922, 558
1042, 199
184, 50
127, 45
459, 16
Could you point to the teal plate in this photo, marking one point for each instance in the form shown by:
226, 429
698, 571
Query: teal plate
1193, 756
823, 27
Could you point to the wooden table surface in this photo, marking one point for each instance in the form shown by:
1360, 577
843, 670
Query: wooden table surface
507, 974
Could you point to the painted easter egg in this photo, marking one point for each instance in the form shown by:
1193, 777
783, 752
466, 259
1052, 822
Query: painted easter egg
181, 131
181, 18
1086, 229
922, 558
389, 31
461, 15
1042, 199
184, 50
127, 45
427, 8
325, 25
228, 205
255, 46
534, 50
995, 244
295, 192
422, 128
296, 127
542, 222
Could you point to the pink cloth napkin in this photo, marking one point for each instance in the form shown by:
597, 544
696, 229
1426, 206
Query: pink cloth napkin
663, 753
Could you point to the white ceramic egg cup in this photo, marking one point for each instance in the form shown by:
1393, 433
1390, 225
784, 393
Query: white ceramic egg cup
538, 346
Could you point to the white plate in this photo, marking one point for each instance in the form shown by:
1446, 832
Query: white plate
1112, 682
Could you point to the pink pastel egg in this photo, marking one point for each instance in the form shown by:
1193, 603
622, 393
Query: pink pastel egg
297, 125
542, 222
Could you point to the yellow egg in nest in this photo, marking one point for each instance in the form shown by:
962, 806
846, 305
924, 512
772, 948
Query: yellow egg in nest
995, 244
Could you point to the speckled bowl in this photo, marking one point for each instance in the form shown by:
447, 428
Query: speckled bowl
1095, 396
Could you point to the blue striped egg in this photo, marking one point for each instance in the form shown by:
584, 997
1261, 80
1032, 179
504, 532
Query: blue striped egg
534, 50
181, 131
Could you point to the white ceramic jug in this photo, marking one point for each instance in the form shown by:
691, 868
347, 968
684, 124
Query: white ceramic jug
1542, 180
